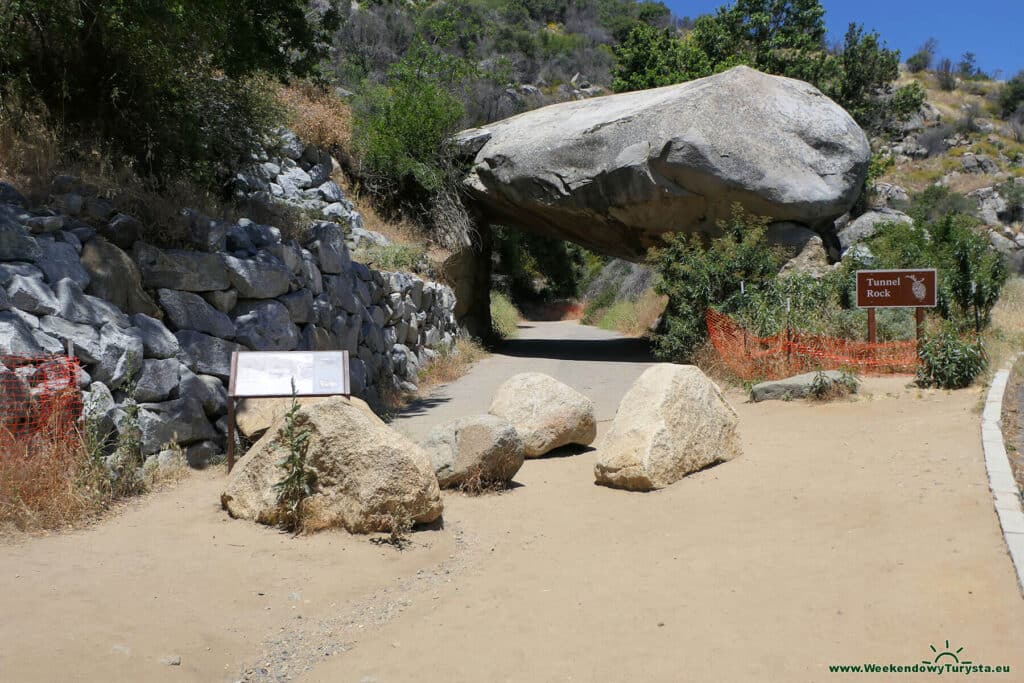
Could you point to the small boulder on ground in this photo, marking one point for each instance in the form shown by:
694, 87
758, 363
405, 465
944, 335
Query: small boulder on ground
368, 476
486, 447
672, 422
546, 413
799, 386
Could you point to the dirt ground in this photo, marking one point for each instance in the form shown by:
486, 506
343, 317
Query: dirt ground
848, 533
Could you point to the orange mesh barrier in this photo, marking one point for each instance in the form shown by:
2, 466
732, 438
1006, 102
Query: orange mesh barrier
791, 352
38, 393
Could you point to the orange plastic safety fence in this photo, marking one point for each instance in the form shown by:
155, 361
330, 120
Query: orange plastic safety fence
38, 394
792, 352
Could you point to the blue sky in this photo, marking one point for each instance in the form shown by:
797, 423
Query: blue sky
991, 29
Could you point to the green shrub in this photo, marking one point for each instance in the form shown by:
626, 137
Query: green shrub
695, 276
504, 316
949, 362
297, 478
400, 128
1012, 96
596, 307
403, 257
971, 274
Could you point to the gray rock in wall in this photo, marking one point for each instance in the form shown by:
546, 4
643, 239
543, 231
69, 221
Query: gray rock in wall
179, 421
339, 291
206, 355
59, 260
224, 301
188, 311
208, 390
120, 353
263, 277
265, 326
300, 306
16, 244
79, 307
157, 340
9, 270
85, 338
157, 379
32, 295
329, 247
15, 336
189, 271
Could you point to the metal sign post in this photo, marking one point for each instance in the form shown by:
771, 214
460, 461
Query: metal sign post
917, 289
273, 374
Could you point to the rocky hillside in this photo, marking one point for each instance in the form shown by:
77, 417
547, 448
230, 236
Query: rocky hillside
960, 141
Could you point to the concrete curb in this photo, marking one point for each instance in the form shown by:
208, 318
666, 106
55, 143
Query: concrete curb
1005, 494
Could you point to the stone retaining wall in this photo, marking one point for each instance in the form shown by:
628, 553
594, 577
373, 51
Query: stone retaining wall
158, 326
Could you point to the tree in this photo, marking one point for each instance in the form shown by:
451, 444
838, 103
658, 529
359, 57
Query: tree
784, 37
649, 58
1012, 96
967, 67
923, 58
866, 67
945, 75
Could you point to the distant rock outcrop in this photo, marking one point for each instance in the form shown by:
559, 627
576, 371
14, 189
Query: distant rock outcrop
614, 173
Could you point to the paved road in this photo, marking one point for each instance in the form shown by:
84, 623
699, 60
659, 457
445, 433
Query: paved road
597, 363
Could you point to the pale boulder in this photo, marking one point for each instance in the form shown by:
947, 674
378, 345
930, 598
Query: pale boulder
546, 413
486, 446
368, 476
672, 422
254, 416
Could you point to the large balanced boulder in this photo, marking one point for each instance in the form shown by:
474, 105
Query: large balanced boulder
482, 447
368, 476
615, 173
673, 421
546, 413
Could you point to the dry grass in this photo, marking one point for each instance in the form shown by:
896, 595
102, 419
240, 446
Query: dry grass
32, 154
476, 484
49, 481
963, 183
711, 364
1004, 338
632, 318
451, 365
505, 317
318, 117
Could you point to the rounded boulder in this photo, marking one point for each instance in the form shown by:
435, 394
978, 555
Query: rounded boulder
546, 413
483, 446
672, 422
368, 477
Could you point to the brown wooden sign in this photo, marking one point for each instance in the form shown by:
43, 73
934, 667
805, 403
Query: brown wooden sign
896, 288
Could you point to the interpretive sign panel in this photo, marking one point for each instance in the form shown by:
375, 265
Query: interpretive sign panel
279, 374
270, 373
896, 288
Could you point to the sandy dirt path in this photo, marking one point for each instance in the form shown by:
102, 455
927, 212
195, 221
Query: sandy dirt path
847, 533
